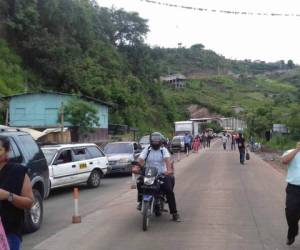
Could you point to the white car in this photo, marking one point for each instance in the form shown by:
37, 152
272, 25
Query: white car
74, 164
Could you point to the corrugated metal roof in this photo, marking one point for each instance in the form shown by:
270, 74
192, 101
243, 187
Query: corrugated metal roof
173, 77
89, 98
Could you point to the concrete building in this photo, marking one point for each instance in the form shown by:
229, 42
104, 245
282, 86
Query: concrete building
232, 123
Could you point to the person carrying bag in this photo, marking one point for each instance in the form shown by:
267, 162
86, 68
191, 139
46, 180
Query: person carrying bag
247, 155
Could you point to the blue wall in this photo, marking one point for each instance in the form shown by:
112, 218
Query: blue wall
41, 110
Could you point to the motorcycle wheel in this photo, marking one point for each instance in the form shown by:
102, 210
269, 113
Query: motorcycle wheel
157, 213
146, 208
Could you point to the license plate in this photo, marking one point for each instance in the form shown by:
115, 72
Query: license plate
82, 165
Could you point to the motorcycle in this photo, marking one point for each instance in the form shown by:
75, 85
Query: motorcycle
153, 198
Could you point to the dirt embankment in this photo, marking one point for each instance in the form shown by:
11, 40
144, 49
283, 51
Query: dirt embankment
273, 158
197, 111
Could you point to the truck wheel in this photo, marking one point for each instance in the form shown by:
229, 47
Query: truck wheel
34, 216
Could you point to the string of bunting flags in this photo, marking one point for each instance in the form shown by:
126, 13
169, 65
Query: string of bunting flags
223, 11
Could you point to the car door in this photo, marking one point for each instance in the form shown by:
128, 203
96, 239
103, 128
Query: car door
64, 168
84, 165
97, 157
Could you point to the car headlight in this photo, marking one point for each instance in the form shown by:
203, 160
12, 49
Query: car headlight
149, 180
125, 160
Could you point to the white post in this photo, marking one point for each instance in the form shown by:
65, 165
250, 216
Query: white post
133, 181
76, 217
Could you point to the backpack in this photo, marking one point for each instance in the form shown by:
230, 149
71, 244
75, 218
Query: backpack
149, 150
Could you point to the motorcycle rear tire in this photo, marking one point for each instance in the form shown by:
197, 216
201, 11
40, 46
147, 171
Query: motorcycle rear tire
145, 211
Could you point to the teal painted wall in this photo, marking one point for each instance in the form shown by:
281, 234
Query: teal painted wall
41, 110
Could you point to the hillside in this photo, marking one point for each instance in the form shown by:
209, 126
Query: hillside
79, 47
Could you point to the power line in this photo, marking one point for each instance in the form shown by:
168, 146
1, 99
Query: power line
232, 12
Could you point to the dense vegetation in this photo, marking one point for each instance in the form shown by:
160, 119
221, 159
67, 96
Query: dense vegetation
75, 46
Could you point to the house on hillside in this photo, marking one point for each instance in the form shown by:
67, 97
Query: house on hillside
177, 81
41, 111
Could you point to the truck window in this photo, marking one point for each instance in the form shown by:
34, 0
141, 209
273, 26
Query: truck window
14, 152
32, 150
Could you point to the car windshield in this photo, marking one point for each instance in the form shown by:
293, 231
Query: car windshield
145, 140
118, 148
49, 154
177, 139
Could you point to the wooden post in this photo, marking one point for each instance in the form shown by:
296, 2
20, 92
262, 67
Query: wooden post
62, 122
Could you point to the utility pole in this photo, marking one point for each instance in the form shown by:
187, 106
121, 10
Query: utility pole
6, 117
62, 122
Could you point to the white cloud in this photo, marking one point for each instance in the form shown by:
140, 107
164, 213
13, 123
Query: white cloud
234, 36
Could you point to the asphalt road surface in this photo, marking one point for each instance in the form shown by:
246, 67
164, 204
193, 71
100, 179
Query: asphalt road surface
224, 206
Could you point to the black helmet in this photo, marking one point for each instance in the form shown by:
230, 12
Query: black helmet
156, 140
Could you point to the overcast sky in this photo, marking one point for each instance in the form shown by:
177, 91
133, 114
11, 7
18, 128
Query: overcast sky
234, 36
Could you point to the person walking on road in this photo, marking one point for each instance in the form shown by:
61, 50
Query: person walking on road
208, 140
242, 148
187, 142
203, 137
15, 196
196, 144
233, 140
224, 140
292, 210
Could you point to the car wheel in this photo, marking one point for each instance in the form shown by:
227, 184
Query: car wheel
94, 179
34, 216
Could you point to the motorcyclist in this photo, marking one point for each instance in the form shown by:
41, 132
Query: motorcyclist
159, 157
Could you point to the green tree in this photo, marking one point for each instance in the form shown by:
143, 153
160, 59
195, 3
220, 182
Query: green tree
81, 114
290, 64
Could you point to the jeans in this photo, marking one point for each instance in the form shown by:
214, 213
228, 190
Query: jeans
242, 155
186, 147
224, 145
292, 209
14, 242
167, 188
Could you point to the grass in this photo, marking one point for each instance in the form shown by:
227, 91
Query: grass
280, 142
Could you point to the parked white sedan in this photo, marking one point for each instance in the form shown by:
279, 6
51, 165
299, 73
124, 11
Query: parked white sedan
71, 164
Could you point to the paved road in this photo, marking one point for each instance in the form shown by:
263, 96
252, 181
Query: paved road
224, 206
59, 206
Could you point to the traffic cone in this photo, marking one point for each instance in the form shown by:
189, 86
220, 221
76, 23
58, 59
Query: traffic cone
133, 181
76, 217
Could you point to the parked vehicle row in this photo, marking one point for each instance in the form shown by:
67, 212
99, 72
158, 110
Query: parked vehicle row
55, 166
121, 154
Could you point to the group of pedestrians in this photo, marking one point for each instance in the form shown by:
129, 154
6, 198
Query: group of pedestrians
202, 140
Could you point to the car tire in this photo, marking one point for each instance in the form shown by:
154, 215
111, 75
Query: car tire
34, 216
94, 179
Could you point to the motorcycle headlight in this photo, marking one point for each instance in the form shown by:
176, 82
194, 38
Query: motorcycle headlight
149, 180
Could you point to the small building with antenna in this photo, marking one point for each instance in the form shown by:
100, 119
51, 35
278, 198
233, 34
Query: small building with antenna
176, 81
